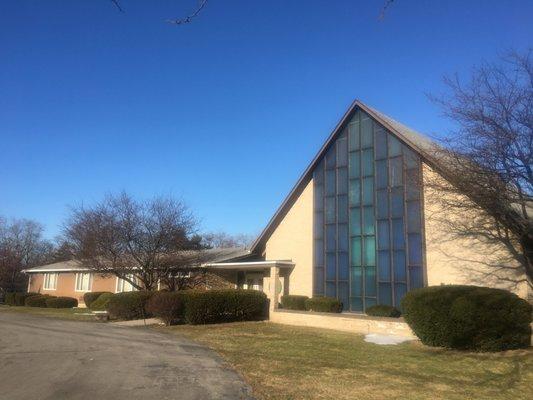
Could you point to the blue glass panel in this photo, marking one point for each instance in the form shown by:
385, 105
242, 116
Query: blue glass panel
355, 164
342, 240
319, 197
343, 267
367, 137
416, 277
368, 191
319, 253
411, 159
342, 207
382, 174
412, 180
353, 131
370, 301
369, 250
368, 221
398, 236
319, 280
414, 241
356, 281
330, 210
331, 290
356, 304
318, 174
355, 221
413, 216
412, 192
331, 243
356, 251
384, 265
343, 294
396, 202
330, 182
398, 264
342, 152
331, 157
400, 290
381, 142
342, 180
383, 203
355, 192
331, 266
367, 162
385, 294
383, 234
319, 225
396, 171
395, 147
370, 281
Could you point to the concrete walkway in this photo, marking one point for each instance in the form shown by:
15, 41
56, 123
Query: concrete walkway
48, 359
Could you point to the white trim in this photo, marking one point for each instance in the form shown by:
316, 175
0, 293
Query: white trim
257, 265
41, 271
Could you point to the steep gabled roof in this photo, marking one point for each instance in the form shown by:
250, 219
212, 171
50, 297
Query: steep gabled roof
414, 140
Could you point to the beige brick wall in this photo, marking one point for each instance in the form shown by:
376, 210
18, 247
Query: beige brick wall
293, 240
453, 260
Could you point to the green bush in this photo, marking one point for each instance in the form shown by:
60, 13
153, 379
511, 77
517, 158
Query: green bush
10, 299
382, 310
61, 302
168, 306
468, 317
129, 305
37, 301
20, 297
224, 305
100, 304
293, 302
90, 297
323, 304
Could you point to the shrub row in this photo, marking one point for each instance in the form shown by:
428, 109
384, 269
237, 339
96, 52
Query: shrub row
100, 304
382, 310
90, 297
18, 298
129, 305
468, 317
318, 304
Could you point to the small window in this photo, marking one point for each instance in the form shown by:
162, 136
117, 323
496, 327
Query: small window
83, 282
50, 281
125, 286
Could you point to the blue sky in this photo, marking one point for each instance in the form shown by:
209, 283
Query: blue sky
225, 112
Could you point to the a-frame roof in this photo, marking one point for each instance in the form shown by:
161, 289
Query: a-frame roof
416, 141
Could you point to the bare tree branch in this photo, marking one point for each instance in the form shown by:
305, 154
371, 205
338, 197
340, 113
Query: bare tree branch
387, 4
189, 18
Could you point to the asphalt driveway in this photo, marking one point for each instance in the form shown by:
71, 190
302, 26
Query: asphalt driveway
48, 359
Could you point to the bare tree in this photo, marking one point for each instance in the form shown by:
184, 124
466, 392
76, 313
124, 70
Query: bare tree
174, 21
225, 240
21, 246
142, 242
489, 160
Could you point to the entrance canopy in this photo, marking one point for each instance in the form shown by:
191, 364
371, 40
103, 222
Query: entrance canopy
250, 265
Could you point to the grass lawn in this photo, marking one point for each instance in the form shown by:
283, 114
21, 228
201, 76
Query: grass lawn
62, 313
283, 362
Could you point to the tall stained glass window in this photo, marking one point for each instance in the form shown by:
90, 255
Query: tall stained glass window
368, 242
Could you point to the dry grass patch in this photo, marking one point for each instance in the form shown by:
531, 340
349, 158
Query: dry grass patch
61, 313
283, 362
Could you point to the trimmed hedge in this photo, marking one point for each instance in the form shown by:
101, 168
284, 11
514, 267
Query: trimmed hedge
37, 301
323, 304
382, 310
101, 302
61, 302
468, 317
20, 297
293, 302
90, 297
168, 306
224, 305
129, 305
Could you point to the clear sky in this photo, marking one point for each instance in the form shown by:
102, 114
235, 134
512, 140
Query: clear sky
225, 112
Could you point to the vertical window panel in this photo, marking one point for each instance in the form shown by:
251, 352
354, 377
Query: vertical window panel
342, 181
342, 240
398, 263
411, 159
343, 265
368, 191
416, 277
367, 162
331, 158
319, 253
370, 281
369, 250
331, 267
356, 281
343, 294
330, 210
382, 174
413, 216
356, 304
331, 289
356, 251
330, 182
353, 132
370, 301
381, 143
383, 204
342, 209
368, 221
415, 248
384, 271
355, 192
355, 221
342, 152
396, 202
355, 164
331, 233
412, 180
367, 137
318, 174
398, 236
396, 171
395, 146
385, 294
383, 234
400, 289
